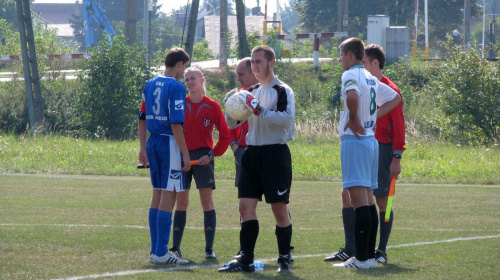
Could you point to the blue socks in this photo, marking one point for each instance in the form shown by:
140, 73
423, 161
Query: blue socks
152, 227
163, 224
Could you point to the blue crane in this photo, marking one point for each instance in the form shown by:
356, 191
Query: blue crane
93, 11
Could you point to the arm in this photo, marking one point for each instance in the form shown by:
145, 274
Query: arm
143, 157
353, 123
388, 106
233, 137
179, 138
224, 137
398, 129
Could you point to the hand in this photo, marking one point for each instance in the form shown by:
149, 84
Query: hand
204, 160
231, 92
187, 163
356, 128
143, 158
251, 102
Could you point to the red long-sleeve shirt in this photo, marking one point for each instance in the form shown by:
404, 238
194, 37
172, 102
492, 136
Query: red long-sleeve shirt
200, 119
391, 127
239, 134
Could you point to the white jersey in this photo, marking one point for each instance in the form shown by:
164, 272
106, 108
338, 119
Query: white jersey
371, 93
276, 122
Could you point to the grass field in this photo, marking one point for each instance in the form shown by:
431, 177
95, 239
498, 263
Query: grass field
314, 158
92, 227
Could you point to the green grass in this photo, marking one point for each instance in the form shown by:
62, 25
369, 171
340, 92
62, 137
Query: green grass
62, 226
313, 159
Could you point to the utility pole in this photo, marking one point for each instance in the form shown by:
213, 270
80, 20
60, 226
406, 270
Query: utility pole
193, 18
223, 35
342, 15
466, 23
243, 50
131, 22
30, 65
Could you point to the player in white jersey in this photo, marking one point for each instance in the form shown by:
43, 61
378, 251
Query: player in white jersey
266, 167
361, 93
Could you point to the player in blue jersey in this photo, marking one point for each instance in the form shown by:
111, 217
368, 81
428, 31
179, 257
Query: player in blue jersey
162, 114
360, 95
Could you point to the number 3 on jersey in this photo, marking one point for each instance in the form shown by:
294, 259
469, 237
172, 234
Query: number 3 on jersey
156, 107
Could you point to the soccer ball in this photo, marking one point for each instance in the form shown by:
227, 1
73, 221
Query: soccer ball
236, 107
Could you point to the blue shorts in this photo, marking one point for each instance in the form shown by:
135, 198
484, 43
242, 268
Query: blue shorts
165, 161
359, 161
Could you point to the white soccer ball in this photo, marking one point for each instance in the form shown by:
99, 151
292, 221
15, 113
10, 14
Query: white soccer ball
236, 107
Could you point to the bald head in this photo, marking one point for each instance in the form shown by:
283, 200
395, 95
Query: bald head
245, 74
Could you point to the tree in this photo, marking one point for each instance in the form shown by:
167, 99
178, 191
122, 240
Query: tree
468, 87
289, 16
316, 15
201, 51
8, 12
444, 16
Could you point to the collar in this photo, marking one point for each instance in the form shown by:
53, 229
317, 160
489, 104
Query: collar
271, 83
357, 66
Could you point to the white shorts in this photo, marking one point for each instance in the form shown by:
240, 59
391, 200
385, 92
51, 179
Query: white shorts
359, 161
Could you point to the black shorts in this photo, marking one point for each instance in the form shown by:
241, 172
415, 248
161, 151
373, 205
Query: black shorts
384, 173
203, 175
266, 170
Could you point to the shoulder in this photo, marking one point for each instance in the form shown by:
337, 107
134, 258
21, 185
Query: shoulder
210, 101
390, 83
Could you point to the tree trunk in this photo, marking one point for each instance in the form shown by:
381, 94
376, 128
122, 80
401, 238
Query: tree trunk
193, 18
243, 50
223, 35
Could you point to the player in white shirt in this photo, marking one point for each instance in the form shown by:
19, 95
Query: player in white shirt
361, 94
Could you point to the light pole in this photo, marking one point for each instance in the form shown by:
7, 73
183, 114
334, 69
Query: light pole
213, 29
482, 38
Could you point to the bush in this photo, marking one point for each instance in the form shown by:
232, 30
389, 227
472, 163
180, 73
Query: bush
112, 83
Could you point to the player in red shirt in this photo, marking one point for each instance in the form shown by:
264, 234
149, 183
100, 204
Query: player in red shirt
390, 134
201, 114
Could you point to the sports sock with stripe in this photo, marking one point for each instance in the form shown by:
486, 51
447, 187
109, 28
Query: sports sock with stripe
385, 231
180, 218
210, 222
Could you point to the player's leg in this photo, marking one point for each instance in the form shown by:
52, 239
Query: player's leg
277, 171
180, 219
152, 217
374, 225
381, 195
357, 165
348, 219
209, 220
249, 192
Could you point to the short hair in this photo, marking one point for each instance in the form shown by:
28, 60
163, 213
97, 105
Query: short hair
248, 62
355, 46
175, 55
197, 70
373, 51
268, 52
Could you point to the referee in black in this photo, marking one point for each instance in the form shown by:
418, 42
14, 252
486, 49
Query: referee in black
267, 163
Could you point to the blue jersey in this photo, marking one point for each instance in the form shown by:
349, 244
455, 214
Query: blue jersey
164, 99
